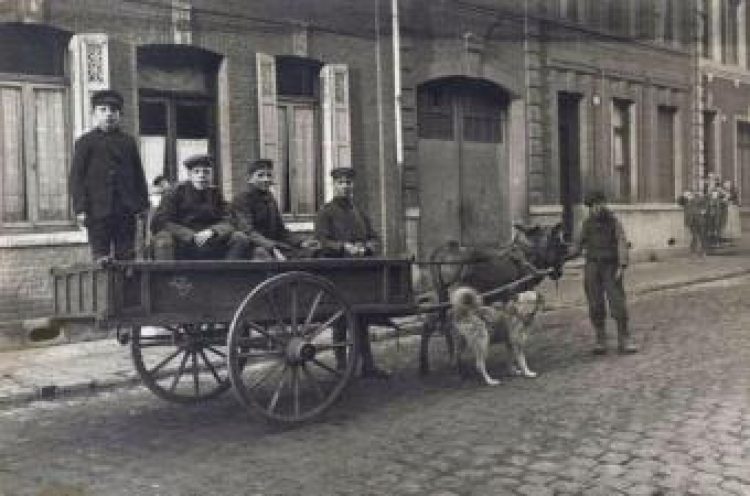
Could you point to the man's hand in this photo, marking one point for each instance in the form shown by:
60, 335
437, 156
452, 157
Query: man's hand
81, 219
620, 272
201, 237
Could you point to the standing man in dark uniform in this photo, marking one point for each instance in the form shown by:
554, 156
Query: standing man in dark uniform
344, 231
193, 220
107, 183
258, 216
602, 238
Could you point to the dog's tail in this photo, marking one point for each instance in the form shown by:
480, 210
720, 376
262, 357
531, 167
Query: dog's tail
464, 297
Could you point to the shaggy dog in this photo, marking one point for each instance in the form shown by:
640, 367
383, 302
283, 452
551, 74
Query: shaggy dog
475, 326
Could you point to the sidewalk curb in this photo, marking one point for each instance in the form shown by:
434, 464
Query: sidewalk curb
406, 330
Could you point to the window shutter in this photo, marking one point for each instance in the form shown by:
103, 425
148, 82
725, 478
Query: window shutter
337, 139
268, 115
89, 73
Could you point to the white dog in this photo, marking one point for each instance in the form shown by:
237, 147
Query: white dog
476, 326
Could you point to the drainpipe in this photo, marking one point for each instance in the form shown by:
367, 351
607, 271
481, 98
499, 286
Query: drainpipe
397, 83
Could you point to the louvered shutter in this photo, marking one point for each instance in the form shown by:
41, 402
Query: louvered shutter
268, 116
337, 140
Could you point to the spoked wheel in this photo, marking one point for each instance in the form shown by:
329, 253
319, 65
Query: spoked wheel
183, 363
292, 347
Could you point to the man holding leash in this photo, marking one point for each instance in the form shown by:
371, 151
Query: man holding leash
602, 238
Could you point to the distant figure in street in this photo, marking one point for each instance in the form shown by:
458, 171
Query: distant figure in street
603, 241
693, 205
257, 214
194, 222
107, 183
344, 231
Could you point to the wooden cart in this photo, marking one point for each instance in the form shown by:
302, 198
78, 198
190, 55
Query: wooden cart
281, 334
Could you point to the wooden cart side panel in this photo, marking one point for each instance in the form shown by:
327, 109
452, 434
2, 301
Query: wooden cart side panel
143, 293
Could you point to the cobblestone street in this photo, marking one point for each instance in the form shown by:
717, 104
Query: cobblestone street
672, 420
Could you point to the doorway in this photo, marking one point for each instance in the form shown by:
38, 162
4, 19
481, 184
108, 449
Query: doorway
462, 163
568, 121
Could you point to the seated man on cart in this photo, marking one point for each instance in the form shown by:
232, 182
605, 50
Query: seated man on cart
346, 232
257, 215
193, 220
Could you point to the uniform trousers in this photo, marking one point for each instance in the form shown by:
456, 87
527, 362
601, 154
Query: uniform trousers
600, 284
112, 236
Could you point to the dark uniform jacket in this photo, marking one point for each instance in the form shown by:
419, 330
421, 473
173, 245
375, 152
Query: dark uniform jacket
257, 215
106, 176
603, 239
340, 221
185, 210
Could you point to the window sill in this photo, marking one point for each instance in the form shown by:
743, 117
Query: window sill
43, 239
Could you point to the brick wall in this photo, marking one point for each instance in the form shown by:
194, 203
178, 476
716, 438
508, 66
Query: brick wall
25, 291
229, 30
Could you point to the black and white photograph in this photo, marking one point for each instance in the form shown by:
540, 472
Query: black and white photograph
374, 247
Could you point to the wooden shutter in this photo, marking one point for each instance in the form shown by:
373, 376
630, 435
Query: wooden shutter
337, 141
268, 117
89, 55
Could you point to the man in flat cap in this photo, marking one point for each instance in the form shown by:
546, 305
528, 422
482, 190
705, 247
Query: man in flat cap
193, 220
345, 231
603, 240
257, 215
107, 183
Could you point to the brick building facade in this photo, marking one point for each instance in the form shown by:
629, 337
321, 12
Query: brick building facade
459, 117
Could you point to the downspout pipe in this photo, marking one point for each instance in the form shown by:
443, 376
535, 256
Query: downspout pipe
396, 30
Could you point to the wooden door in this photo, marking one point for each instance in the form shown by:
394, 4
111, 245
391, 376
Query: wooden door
743, 161
462, 165
568, 119
483, 168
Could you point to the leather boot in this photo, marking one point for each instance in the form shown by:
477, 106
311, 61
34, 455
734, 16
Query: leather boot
624, 343
600, 347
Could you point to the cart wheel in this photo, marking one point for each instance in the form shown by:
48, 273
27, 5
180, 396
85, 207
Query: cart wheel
292, 347
184, 363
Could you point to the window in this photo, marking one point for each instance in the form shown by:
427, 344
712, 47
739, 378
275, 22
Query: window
705, 20
621, 149
304, 128
34, 149
435, 117
646, 19
668, 28
730, 31
618, 16
569, 10
664, 176
709, 147
483, 118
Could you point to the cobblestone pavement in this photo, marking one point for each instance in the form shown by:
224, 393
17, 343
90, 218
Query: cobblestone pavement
672, 420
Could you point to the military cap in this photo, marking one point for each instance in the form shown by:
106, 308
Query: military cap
200, 160
107, 97
260, 164
342, 172
595, 196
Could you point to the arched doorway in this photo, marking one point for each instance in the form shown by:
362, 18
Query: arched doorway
463, 162
176, 106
